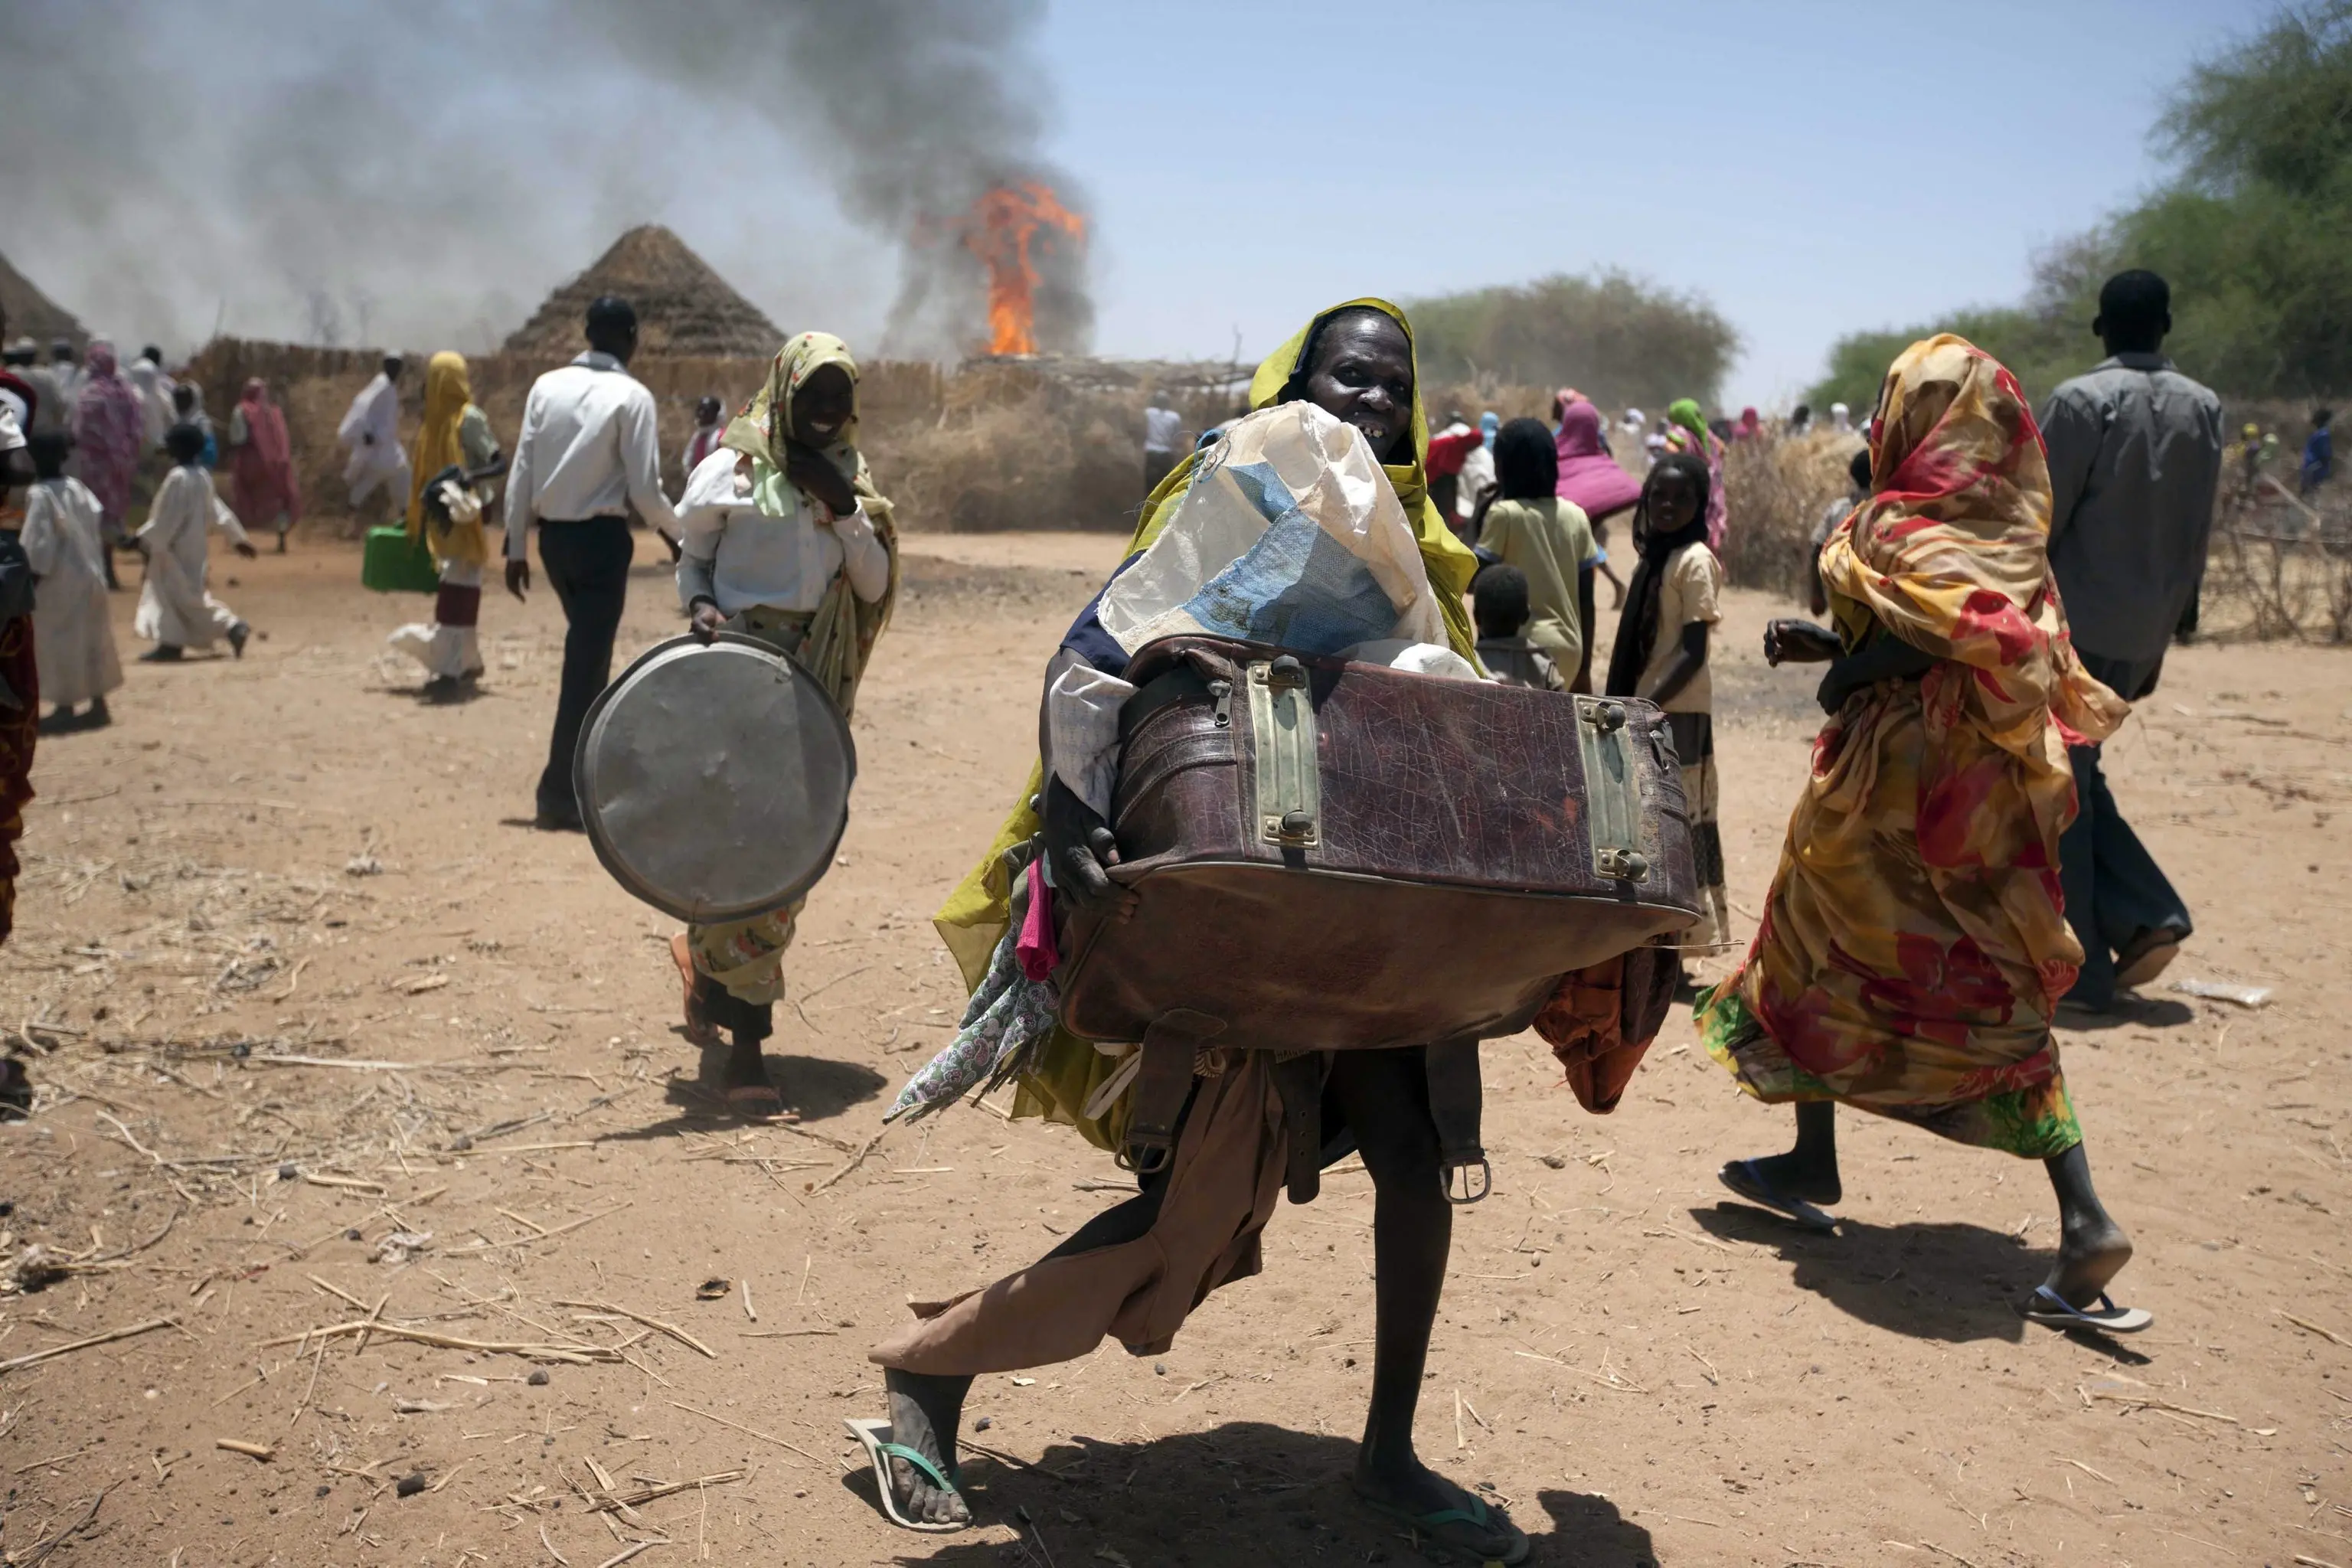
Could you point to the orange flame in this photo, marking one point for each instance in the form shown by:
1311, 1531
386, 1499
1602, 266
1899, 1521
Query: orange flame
998, 230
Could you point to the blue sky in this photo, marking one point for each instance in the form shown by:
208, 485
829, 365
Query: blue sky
1812, 169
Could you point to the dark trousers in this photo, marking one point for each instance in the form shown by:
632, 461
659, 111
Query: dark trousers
2114, 887
1156, 466
587, 564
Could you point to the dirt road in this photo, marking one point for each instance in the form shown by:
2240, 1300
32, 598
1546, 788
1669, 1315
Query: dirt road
309, 983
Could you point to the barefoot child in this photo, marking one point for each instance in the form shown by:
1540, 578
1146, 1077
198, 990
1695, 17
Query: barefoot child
72, 639
174, 608
1913, 947
1661, 654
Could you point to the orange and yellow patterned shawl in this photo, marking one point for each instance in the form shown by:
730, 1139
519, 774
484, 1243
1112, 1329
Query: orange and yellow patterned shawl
1913, 943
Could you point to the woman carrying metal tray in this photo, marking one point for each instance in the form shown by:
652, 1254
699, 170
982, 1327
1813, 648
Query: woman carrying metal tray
786, 541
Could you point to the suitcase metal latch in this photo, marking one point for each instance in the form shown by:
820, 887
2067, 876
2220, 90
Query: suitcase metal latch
1612, 790
1281, 723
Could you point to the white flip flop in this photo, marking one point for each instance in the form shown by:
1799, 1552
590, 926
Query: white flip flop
881, 1450
2052, 1311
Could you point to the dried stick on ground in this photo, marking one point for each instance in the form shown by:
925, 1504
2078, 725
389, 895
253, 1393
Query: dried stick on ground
672, 1329
36, 1357
578, 1355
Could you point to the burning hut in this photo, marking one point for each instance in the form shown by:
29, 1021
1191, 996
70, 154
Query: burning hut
684, 307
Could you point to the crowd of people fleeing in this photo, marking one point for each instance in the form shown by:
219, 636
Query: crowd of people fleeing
1999, 589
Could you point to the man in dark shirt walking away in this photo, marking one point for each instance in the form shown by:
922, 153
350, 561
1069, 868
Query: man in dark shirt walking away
2135, 460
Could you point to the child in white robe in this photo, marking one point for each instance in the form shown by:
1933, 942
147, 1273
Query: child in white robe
175, 609
73, 640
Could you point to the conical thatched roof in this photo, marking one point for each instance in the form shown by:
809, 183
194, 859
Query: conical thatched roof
683, 307
33, 314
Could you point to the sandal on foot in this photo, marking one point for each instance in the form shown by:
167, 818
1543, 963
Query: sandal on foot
699, 1030
2147, 956
2052, 1311
1476, 1517
755, 1101
881, 1450
1745, 1178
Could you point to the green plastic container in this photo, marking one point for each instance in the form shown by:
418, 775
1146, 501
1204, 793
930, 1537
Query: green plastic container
395, 565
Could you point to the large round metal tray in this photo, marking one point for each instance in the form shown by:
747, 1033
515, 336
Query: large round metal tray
714, 779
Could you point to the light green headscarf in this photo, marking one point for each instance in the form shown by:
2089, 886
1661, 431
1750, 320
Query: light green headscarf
842, 637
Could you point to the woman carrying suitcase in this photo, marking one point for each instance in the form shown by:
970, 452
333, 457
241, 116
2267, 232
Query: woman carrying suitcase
1135, 1270
1913, 947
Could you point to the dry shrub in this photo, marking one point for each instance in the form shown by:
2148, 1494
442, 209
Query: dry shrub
1775, 491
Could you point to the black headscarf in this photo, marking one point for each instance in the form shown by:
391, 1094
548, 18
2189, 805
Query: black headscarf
1637, 630
1527, 463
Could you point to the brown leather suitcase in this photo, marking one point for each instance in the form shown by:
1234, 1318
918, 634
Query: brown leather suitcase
1332, 855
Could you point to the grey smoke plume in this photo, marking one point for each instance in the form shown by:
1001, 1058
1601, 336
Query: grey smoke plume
914, 108
422, 174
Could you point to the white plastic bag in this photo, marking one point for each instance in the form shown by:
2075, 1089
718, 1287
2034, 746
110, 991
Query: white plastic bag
1288, 535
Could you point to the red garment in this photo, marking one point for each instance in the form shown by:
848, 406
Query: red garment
261, 468
1589, 476
19, 728
1448, 453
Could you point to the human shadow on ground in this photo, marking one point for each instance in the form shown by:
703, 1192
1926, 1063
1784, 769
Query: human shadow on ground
2129, 1011
1948, 1282
1243, 1493
814, 1087
1951, 1282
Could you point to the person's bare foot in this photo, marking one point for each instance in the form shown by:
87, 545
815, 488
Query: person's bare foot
2091, 1252
1405, 1489
920, 1408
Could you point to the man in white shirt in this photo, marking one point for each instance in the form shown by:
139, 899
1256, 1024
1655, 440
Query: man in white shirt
371, 429
587, 452
1164, 431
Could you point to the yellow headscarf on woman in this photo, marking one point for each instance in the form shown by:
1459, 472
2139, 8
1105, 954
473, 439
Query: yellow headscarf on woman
447, 391
842, 637
974, 918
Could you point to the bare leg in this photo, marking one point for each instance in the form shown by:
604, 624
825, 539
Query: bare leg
2092, 1247
1809, 1170
926, 1411
1616, 586
1385, 1097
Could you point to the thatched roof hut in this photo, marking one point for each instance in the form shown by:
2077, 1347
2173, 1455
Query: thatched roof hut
33, 314
683, 307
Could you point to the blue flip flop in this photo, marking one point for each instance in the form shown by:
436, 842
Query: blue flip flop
1743, 1177
1476, 1515
2052, 1311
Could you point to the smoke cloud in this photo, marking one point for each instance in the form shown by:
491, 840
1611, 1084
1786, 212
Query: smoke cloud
345, 171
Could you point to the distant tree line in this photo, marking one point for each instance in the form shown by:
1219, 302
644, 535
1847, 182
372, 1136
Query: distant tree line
2254, 231
1616, 338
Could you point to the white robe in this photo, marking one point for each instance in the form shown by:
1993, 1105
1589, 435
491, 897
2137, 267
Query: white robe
155, 411
375, 412
173, 607
72, 639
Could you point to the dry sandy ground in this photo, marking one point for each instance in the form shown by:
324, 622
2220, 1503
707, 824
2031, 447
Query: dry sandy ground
1644, 1370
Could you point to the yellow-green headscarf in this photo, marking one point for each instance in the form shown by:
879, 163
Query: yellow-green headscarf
447, 390
1066, 1070
842, 636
